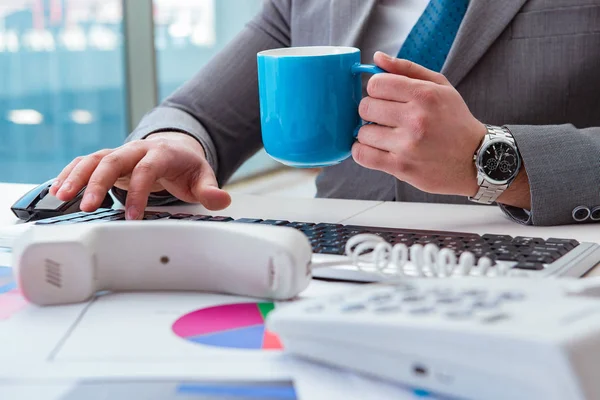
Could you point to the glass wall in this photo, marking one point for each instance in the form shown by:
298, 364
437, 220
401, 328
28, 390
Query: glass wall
62, 74
187, 34
61, 84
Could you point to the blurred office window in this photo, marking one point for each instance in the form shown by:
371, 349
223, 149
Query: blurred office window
188, 33
62, 91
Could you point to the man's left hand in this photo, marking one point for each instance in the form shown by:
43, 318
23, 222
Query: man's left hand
422, 133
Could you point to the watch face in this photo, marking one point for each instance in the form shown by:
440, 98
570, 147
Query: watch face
499, 161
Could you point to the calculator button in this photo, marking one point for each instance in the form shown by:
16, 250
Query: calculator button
442, 292
380, 298
448, 300
459, 314
473, 293
349, 308
412, 299
387, 309
421, 310
494, 318
486, 303
403, 287
512, 296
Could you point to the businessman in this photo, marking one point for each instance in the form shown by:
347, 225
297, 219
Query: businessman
487, 101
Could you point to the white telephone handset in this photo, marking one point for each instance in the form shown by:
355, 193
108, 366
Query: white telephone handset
59, 264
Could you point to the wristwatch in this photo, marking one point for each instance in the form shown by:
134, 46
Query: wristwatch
498, 162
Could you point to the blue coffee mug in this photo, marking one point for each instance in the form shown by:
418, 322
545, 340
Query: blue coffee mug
309, 98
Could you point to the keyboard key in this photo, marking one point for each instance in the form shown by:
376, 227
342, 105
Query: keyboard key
149, 215
500, 238
111, 218
220, 219
331, 250
109, 213
48, 221
64, 222
249, 220
275, 222
181, 216
328, 226
72, 216
200, 218
539, 258
299, 225
529, 266
540, 250
527, 241
569, 244
82, 219
558, 247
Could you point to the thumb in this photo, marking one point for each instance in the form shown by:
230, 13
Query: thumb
207, 191
408, 68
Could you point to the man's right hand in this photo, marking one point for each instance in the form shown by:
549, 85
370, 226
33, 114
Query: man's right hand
169, 161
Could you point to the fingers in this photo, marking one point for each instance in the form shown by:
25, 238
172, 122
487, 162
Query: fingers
399, 88
371, 158
206, 190
409, 69
119, 163
60, 179
376, 136
144, 176
76, 175
382, 112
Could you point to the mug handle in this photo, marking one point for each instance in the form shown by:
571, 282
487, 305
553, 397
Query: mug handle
365, 69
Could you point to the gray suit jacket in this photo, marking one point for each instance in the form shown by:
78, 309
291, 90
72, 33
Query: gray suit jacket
533, 65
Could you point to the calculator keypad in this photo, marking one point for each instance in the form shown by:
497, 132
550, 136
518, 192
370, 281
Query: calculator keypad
477, 304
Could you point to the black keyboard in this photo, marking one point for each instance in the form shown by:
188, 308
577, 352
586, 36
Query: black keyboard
530, 253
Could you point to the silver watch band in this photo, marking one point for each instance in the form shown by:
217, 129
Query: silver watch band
489, 192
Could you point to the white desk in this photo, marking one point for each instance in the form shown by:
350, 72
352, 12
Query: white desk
93, 346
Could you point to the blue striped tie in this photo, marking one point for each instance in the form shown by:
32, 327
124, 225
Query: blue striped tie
430, 40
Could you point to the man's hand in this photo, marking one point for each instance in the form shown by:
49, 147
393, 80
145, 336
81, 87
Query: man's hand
423, 132
169, 161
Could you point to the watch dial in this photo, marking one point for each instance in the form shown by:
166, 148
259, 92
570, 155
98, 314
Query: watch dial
499, 161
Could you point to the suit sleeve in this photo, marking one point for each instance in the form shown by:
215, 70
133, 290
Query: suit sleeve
219, 106
563, 166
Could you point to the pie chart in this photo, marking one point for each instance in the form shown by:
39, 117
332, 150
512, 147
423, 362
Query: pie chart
234, 326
